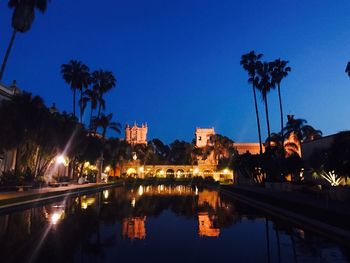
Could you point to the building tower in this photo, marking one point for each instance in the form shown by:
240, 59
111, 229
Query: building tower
204, 137
136, 134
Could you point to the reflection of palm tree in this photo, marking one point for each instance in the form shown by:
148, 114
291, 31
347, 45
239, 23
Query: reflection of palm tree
278, 243
249, 62
267, 240
22, 20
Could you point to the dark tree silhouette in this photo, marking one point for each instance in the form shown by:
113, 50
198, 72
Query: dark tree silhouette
22, 20
102, 82
263, 82
249, 62
77, 75
302, 131
279, 72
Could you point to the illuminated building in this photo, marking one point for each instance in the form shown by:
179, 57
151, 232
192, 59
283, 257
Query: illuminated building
136, 134
251, 147
204, 137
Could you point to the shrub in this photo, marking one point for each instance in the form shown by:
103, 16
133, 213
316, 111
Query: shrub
12, 178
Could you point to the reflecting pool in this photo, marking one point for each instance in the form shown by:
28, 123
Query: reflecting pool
162, 223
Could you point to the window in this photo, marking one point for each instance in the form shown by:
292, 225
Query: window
199, 138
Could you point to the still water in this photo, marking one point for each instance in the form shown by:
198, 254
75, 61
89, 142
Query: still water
157, 224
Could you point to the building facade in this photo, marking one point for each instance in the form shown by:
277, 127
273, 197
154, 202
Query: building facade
135, 134
204, 137
7, 158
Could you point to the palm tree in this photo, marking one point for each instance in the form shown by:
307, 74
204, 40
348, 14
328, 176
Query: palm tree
22, 20
264, 84
302, 131
103, 81
89, 95
77, 75
249, 62
104, 122
347, 69
279, 72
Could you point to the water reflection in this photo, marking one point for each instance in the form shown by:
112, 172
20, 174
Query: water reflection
134, 227
152, 221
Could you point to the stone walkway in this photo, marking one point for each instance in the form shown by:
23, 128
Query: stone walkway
44, 190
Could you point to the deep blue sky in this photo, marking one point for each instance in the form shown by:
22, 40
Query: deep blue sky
177, 62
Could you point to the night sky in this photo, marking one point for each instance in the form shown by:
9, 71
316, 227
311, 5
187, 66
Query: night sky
177, 62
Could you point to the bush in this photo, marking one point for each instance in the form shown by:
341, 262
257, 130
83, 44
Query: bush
11, 178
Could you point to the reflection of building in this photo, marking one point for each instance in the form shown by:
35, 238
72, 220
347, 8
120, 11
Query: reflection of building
208, 197
136, 134
207, 225
134, 227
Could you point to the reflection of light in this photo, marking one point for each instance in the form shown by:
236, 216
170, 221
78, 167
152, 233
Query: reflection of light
196, 192
87, 202
140, 190
196, 171
56, 216
133, 202
105, 194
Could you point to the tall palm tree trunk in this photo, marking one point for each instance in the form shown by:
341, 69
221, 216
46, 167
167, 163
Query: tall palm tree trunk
81, 107
98, 114
267, 122
90, 124
74, 98
99, 110
257, 119
281, 111
7, 54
